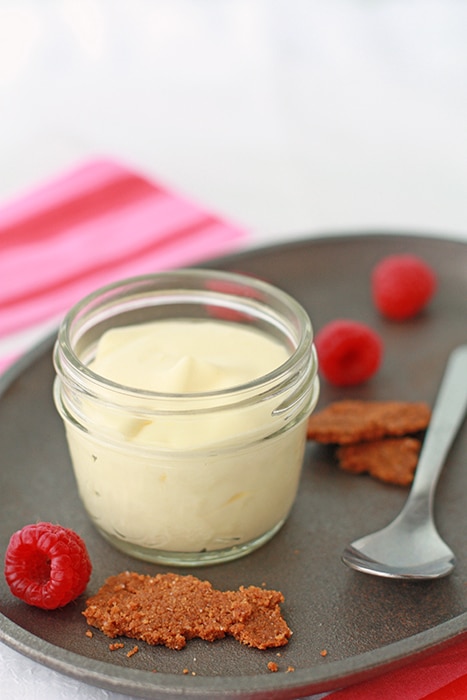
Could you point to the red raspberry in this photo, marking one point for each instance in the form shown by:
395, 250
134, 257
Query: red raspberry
47, 565
349, 352
402, 285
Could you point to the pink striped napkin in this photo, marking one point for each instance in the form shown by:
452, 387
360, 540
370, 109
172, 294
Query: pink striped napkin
95, 224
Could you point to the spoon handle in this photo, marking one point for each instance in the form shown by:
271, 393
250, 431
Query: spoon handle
446, 419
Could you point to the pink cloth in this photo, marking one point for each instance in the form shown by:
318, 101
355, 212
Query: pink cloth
101, 222
97, 223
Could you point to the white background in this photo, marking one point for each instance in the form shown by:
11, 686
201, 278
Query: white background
291, 117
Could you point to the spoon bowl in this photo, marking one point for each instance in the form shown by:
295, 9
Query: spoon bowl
401, 551
410, 547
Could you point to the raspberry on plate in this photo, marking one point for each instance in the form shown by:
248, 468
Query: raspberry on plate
47, 565
349, 352
402, 285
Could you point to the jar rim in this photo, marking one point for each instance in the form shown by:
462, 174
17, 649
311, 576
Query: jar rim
64, 350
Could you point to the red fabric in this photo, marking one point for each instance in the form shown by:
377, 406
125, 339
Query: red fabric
439, 676
454, 690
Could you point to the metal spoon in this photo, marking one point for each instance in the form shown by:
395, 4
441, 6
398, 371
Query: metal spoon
410, 547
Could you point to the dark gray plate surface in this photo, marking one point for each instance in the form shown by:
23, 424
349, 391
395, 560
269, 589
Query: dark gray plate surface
366, 624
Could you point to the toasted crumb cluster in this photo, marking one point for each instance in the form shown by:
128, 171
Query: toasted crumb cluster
170, 609
393, 460
348, 422
373, 436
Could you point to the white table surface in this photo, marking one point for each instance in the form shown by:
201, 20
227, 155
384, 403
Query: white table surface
291, 117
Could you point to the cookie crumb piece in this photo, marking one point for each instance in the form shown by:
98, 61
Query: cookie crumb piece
273, 667
351, 421
290, 669
323, 652
116, 645
392, 460
185, 672
132, 652
89, 634
135, 605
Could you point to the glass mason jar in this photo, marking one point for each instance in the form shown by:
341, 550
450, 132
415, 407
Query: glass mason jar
228, 488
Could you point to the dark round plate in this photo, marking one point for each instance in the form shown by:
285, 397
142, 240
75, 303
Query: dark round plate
366, 624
